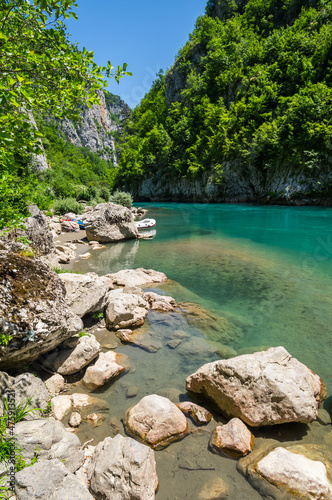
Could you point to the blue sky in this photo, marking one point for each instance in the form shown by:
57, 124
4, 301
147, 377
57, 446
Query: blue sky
145, 34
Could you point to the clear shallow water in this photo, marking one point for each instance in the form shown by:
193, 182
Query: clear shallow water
265, 273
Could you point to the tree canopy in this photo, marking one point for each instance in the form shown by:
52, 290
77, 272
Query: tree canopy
40, 70
250, 92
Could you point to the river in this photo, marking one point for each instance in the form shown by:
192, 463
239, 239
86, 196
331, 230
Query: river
265, 273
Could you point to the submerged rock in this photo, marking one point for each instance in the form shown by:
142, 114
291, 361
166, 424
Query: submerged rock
264, 388
160, 302
33, 310
137, 277
125, 310
156, 421
85, 293
122, 469
199, 414
108, 222
214, 490
49, 480
233, 439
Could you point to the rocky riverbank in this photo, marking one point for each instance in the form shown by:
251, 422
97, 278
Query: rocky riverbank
69, 329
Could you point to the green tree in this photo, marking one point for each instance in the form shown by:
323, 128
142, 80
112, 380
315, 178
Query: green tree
40, 70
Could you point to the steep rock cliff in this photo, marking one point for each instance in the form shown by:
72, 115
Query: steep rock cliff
98, 127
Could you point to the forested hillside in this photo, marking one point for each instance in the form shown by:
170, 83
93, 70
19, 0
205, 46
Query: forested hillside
245, 113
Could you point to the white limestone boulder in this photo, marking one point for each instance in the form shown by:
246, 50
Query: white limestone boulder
156, 421
233, 439
125, 310
105, 369
85, 293
107, 223
264, 388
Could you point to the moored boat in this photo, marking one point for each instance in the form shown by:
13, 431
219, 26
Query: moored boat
145, 223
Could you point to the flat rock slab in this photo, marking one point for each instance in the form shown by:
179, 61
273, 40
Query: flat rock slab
49, 480
298, 471
156, 421
264, 388
70, 361
200, 415
233, 439
137, 277
125, 310
104, 370
122, 469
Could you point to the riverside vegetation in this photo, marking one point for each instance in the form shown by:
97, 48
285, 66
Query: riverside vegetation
243, 114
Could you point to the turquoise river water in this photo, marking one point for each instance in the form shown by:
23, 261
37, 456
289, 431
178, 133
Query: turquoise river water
264, 275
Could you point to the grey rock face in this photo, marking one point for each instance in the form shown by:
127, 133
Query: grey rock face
32, 309
85, 293
52, 441
264, 388
122, 469
96, 128
107, 223
49, 480
28, 386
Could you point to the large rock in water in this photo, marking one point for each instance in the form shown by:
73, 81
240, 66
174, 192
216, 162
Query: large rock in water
33, 310
108, 222
264, 388
122, 469
298, 471
156, 421
105, 369
85, 293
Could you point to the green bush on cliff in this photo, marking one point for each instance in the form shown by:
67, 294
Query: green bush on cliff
251, 92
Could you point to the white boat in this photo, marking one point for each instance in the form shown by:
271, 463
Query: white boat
145, 223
